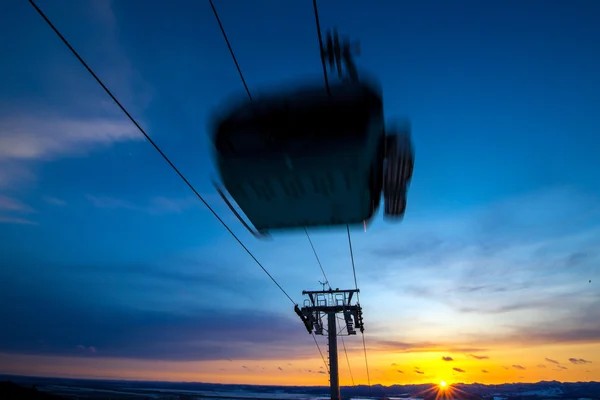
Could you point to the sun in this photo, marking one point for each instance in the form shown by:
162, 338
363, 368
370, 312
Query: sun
443, 385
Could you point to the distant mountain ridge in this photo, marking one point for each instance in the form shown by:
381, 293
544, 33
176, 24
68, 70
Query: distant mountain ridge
508, 391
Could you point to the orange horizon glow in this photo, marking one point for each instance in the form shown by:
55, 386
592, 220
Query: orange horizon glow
385, 368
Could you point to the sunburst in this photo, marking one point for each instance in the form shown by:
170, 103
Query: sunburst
442, 391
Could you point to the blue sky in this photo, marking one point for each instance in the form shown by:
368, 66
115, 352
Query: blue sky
102, 246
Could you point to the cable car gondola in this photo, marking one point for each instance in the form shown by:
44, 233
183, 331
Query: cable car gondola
316, 156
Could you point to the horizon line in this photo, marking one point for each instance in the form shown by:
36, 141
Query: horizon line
307, 386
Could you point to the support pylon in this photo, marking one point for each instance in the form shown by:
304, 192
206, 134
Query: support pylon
331, 302
334, 378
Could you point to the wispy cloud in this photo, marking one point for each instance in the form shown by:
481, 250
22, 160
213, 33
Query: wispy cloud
156, 205
28, 138
516, 366
475, 356
54, 201
458, 369
11, 210
447, 358
485, 371
419, 347
111, 202
134, 91
551, 361
568, 329
579, 361
13, 205
90, 349
17, 221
